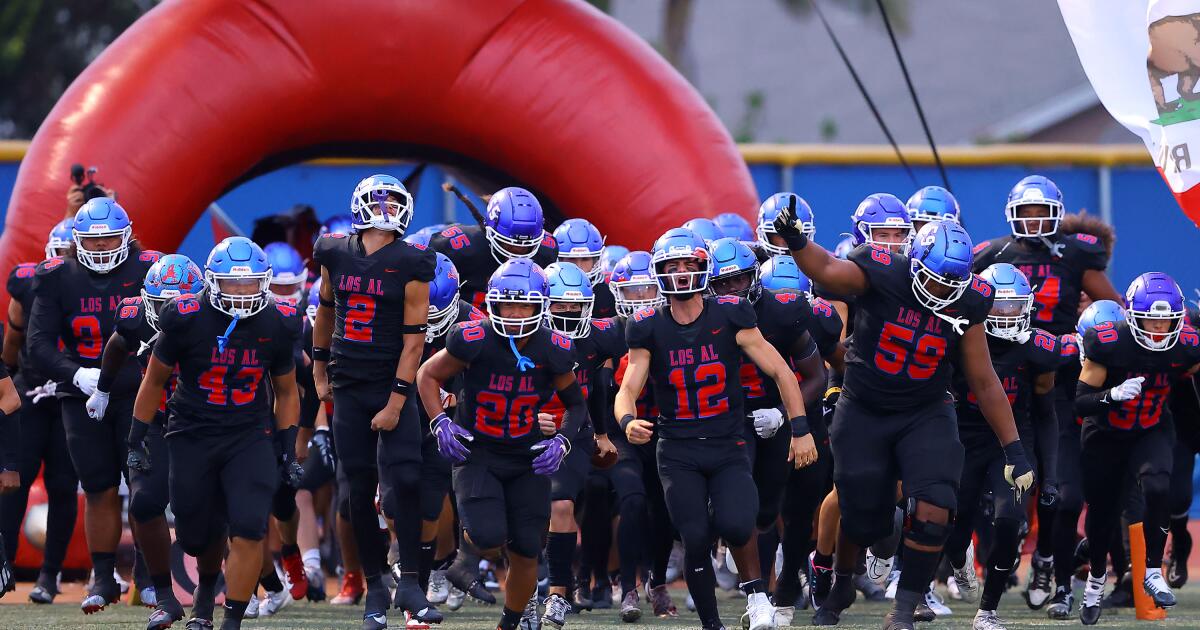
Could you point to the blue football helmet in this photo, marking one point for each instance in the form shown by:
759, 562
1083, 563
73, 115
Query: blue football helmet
770, 209
609, 258
99, 218
734, 269
313, 301
381, 202
580, 242
569, 287
735, 225
781, 272
171, 276
1034, 190
633, 285
882, 211
288, 273
706, 228
940, 264
61, 236
517, 281
678, 244
1099, 312
337, 224
421, 237
844, 247
514, 224
932, 203
238, 260
1154, 296
443, 298
1013, 304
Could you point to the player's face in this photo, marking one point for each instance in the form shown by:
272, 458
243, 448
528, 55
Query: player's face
939, 290
736, 284
893, 238
515, 310
100, 243
585, 264
566, 308
517, 250
681, 273
286, 291
1035, 211
239, 286
639, 292
1158, 328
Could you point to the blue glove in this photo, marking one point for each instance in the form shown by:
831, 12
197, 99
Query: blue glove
553, 452
449, 436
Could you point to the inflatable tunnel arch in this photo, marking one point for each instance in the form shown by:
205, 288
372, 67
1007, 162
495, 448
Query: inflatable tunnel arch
550, 94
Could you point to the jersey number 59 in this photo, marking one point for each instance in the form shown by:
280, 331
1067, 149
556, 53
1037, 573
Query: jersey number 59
891, 357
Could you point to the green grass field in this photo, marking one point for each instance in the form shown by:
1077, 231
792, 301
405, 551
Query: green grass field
861, 616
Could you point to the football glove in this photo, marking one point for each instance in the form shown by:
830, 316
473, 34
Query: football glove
449, 438
1128, 390
42, 391
85, 379
1017, 471
96, 405
766, 421
787, 226
553, 452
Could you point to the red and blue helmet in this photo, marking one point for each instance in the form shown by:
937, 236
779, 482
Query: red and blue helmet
940, 264
1154, 295
337, 224
735, 225
443, 298
932, 203
313, 302
170, 276
706, 228
288, 273
1013, 304
734, 269
238, 259
98, 218
881, 211
609, 258
678, 244
517, 281
514, 224
781, 272
1034, 190
61, 236
1099, 312
569, 285
770, 209
579, 240
381, 202
633, 284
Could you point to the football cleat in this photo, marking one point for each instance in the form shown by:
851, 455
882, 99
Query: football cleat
167, 613
602, 596
1061, 605
821, 580
374, 621
316, 583
44, 591
878, 569
455, 598
987, 620
1037, 589
660, 602
102, 593
469, 584
352, 591
890, 623
1121, 595
935, 603
893, 582
1089, 608
557, 609
1177, 559
297, 579
871, 591
1157, 588
923, 613
760, 614
631, 609
580, 596
439, 588
965, 578
411, 599
529, 618
784, 616
196, 623
274, 602
251, 608
841, 596
146, 597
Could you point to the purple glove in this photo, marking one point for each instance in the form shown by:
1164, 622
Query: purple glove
448, 436
554, 451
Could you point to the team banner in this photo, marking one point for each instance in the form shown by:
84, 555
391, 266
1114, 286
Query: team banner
1143, 60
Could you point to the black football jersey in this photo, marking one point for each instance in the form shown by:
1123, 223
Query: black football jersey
1112, 345
898, 359
606, 303
605, 341
500, 403
20, 288
1017, 366
467, 247
825, 327
783, 317
466, 313
80, 307
694, 368
222, 388
647, 409
1057, 279
368, 296
139, 338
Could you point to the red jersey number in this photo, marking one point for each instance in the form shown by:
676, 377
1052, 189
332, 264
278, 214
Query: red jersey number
499, 417
86, 330
360, 311
891, 357
709, 400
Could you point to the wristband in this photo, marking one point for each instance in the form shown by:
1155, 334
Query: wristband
795, 242
832, 390
799, 426
323, 302
402, 387
1013, 450
286, 440
414, 329
137, 433
320, 354
625, 420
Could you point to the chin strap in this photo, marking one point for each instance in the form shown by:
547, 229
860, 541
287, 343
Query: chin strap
1055, 248
956, 323
523, 362
223, 340
146, 345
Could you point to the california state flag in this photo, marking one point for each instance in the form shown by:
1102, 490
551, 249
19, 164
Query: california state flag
1143, 59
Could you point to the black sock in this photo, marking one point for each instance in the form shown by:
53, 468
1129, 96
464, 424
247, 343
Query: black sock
235, 609
701, 584
560, 552
426, 563
441, 564
103, 564
378, 598
270, 581
141, 575
205, 596
768, 542
919, 567
753, 586
822, 561
1000, 563
163, 586
509, 619
906, 603
1066, 522
1045, 539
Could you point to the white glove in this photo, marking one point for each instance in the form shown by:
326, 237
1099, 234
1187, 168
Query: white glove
85, 379
1022, 337
766, 421
96, 405
42, 391
1128, 390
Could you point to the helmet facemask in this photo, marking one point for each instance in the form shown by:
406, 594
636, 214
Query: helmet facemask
101, 261
244, 293
1009, 317
1146, 334
515, 326
934, 291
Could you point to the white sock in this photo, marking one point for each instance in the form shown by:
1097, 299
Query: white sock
312, 558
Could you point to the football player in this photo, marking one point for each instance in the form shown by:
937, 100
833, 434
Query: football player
690, 350
893, 419
77, 299
135, 334
43, 437
10, 459
288, 273
1059, 266
609, 258
223, 468
932, 203
1128, 371
1025, 360
510, 367
513, 229
705, 228
579, 242
770, 243
735, 225
373, 284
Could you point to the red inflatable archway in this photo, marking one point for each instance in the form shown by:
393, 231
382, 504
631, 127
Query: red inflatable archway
551, 93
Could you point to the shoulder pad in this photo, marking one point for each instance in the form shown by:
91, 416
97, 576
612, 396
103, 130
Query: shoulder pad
644, 314
149, 256
334, 235
561, 340
979, 247
1068, 345
821, 307
475, 314
548, 240
1189, 337
1044, 340
981, 286
131, 308
603, 324
286, 308
728, 299
455, 237
786, 296
1086, 238
185, 304
24, 270
49, 265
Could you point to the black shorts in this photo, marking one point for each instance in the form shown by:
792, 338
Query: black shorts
149, 492
1110, 460
872, 451
502, 502
708, 489
567, 482
98, 448
770, 466
983, 472
221, 480
359, 448
435, 479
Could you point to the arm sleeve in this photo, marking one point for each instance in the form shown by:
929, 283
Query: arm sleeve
576, 411
1046, 427
1091, 401
10, 450
45, 326
599, 399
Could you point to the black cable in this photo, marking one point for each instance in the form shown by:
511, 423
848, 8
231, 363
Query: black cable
863, 90
913, 92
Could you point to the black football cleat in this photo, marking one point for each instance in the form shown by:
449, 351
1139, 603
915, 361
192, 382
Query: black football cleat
469, 583
101, 595
890, 623
195, 623
165, 614
411, 599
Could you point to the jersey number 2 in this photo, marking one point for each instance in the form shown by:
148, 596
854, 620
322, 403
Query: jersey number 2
360, 311
709, 401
